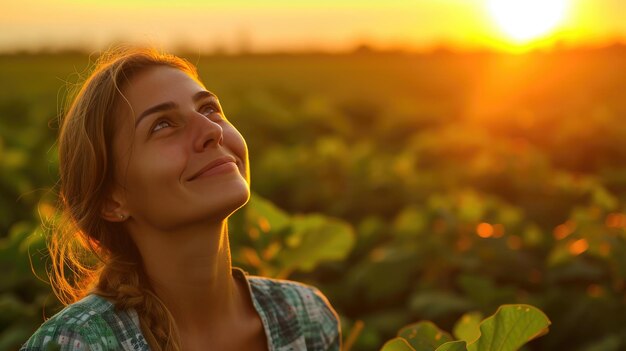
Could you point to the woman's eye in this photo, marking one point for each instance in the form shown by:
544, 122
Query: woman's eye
209, 109
160, 125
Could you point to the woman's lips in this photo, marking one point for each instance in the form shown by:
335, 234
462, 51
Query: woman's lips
219, 169
221, 164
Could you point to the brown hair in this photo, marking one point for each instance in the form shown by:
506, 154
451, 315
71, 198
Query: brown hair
100, 254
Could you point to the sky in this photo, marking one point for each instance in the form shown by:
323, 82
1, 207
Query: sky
294, 25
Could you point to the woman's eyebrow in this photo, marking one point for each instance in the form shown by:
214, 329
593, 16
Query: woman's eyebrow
170, 105
203, 94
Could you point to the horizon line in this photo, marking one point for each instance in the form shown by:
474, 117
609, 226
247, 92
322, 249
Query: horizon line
359, 48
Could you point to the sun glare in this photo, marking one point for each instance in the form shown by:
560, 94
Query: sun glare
525, 20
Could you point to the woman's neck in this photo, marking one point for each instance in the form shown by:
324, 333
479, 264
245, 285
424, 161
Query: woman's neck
190, 271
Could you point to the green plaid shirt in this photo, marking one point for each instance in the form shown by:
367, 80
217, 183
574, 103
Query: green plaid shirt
295, 317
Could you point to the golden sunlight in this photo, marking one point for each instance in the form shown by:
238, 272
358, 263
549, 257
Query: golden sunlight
525, 20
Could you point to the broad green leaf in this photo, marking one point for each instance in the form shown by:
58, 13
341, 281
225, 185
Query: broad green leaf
397, 344
315, 238
424, 336
510, 327
453, 346
467, 328
263, 210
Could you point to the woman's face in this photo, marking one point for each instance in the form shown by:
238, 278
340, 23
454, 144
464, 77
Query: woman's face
178, 160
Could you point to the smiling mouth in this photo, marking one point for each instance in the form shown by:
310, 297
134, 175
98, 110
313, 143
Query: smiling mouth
220, 165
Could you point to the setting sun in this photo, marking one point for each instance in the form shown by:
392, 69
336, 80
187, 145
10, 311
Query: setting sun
525, 20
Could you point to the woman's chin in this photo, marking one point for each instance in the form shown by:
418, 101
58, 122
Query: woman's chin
241, 198
235, 200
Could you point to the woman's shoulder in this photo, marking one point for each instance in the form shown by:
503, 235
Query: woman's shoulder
92, 323
296, 293
285, 300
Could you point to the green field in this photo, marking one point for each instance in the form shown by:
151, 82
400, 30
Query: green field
406, 187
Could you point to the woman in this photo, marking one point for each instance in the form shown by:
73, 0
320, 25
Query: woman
150, 171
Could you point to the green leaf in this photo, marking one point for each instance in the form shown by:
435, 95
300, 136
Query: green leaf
260, 209
467, 328
315, 238
424, 336
397, 344
453, 346
510, 327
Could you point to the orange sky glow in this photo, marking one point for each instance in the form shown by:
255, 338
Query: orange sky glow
339, 25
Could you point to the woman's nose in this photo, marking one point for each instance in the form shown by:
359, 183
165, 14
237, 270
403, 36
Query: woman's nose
207, 133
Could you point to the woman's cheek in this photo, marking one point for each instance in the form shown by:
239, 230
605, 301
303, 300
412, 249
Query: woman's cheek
160, 164
236, 143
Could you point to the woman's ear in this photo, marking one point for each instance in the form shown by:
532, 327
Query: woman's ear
113, 208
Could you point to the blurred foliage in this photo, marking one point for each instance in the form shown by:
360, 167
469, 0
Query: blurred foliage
406, 187
508, 329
